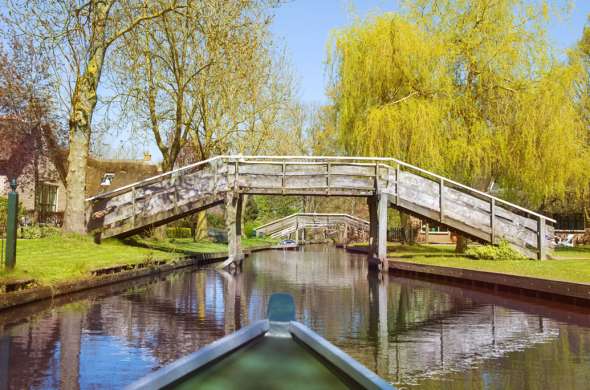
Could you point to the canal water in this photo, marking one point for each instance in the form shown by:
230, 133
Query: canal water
417, 334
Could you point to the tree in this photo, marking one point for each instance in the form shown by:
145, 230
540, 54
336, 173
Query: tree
468, 89
27, 111
76, 36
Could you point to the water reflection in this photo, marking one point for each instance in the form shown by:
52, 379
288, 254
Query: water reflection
413, 332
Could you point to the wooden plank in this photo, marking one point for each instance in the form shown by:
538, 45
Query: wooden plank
492, 221
441, 200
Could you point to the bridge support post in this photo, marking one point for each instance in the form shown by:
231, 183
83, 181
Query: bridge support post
233, 226
378, 232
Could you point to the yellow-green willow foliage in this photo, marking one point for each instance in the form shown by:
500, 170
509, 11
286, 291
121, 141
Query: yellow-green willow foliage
387, 73
468, 89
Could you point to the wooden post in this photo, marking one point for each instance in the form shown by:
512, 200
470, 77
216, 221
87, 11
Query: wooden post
11, 226
233, 211
236, 175
376, 178
492, 221
345, 238
441, 187
378, 232
328, 178
382, 232
283, 178
133, 207
541, 245
397, 175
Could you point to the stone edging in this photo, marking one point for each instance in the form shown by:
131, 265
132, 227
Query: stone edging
17, 298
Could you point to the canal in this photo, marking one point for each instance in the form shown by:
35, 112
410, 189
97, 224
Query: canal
416, 333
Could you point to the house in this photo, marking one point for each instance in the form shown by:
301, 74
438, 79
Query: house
576, 224
39, 168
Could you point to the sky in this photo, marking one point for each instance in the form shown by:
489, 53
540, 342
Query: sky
304, 26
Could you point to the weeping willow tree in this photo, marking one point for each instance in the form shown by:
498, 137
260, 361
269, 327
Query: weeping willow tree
468, 89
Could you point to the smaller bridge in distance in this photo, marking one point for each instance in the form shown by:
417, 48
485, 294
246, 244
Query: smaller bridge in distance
347, 225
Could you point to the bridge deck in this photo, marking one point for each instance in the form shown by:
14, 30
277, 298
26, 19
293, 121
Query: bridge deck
174, 194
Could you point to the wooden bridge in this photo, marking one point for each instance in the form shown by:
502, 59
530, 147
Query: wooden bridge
384, 182
297, 222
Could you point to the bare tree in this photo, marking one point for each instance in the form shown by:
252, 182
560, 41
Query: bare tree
77, 35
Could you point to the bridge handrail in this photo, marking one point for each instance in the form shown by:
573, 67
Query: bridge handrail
320, 158
407, 165
294, 215
152, 178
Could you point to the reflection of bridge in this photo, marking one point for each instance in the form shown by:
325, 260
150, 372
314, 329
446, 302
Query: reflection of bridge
452, 338
384, 182
295, 223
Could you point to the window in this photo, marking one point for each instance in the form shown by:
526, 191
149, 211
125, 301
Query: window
46, 201
434, 229
107, 179
569, 221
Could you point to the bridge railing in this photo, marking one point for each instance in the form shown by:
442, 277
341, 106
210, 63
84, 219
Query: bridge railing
428, 194
414, 189
311, 220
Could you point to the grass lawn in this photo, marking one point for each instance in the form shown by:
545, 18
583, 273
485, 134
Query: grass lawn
567, 270
187, 245
49, 260
67, 258
573, 264
579, 252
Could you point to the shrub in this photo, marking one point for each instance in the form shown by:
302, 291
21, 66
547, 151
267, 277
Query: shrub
178, 232
36, 231
249, 228
4, 210
503, 251
215, 220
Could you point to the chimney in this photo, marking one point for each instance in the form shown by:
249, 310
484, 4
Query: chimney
147, 156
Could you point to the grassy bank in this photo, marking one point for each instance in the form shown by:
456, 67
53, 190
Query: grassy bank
67, 258
571, 264
567, 270
55, 259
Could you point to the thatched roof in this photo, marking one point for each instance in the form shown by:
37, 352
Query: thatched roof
125, 171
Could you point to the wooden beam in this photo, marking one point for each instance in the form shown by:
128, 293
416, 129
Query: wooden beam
541, 241
492, 221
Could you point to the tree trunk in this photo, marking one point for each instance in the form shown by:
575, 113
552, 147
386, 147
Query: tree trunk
80, 122
201, 233
461, 244
409, 236
74, 216
194, 231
